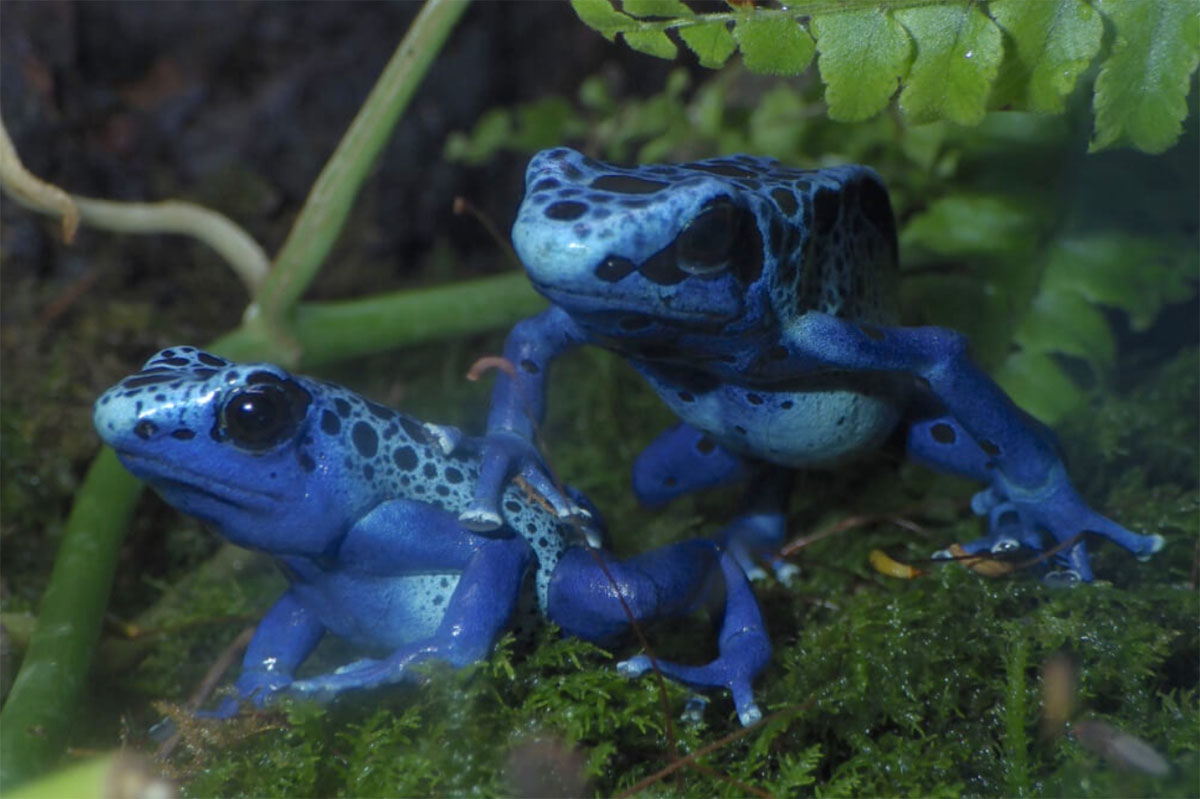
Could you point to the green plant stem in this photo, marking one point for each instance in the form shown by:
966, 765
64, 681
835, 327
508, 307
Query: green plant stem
41, 706
321, 220
334, 331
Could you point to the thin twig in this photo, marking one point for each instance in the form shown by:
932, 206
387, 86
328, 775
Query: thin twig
464, 206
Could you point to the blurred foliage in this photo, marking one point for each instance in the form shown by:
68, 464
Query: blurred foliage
1005, 234
950, 60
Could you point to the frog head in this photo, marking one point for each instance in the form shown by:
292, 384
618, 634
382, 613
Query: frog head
638, 247
232, 444
726, 246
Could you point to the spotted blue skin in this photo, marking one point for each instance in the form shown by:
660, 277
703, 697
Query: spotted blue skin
758, 301
359, 505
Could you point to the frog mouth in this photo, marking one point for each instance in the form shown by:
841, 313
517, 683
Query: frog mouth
172, 479
609, 301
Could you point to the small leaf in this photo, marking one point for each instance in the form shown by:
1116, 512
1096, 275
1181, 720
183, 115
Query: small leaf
710, 41
651, 42
1141, 91
1052, 42
665, 9
958, 54
773, 45
970, 225
1038, 385
863, 56
599, 15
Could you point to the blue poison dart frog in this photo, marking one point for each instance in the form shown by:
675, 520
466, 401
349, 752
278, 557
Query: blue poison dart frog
359, 506
759, 302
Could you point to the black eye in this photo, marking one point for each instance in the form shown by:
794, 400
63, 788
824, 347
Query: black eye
707, 243
258, 418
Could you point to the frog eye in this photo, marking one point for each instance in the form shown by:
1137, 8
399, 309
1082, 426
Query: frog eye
259, 417
706, 244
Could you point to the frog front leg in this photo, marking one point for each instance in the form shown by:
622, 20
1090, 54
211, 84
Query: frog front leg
518, 405
937, 440
286, 636
681, 460
684, 459
668, 582
402, 537
1025, 475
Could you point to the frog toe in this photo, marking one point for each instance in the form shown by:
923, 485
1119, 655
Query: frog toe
1005, 546
479, 517
750, 715
446, 437
1153, 543
1062, 578
694, 709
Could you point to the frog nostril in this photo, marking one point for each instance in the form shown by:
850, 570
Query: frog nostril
144, 429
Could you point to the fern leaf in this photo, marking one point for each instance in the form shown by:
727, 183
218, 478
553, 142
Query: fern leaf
863, 56
958, 55
773, 45
711, 42
1141, 92
1050, 43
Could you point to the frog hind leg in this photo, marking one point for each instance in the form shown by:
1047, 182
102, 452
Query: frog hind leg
664, 583
681, 460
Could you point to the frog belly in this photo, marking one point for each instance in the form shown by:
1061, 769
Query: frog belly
802, 429
380, 612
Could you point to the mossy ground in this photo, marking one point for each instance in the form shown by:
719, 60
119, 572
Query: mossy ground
880, 686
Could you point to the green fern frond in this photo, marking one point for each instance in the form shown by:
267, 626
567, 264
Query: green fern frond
949, 60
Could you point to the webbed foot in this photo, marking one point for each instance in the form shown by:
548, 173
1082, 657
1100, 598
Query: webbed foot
508, 456
733, 670
1018, 518
754, 538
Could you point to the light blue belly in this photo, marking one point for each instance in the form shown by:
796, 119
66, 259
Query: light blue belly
381, 612
803, 429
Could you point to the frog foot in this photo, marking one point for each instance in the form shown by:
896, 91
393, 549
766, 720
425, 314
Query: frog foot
226, 710
257, 686
505, 456
753, 539
447, 438
720, 673
1018, 518
364, 673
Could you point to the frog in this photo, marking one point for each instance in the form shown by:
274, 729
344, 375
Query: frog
358, 505
759, 302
